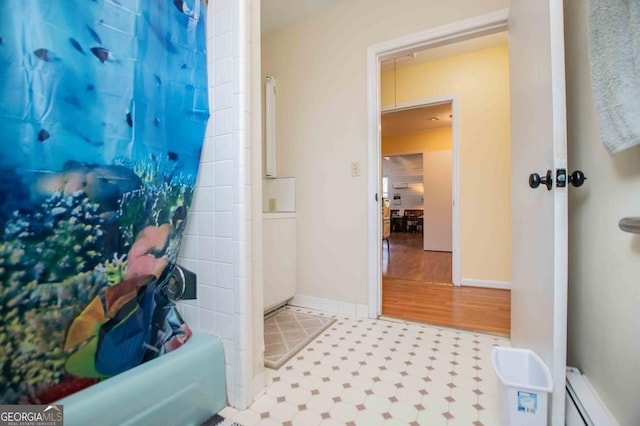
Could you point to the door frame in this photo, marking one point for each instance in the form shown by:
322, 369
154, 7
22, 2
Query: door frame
458, 31
455, 174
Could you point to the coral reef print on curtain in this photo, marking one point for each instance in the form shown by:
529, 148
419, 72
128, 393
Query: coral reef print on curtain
103, 114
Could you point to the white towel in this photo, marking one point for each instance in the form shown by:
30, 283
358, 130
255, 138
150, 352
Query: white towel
614, 55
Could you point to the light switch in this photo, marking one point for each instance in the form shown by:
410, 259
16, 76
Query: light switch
355, 168
272, 204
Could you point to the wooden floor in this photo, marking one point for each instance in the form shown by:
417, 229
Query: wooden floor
436, 302
407, 260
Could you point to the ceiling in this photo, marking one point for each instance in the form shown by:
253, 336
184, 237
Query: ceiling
275, 14
402, 162
416, 120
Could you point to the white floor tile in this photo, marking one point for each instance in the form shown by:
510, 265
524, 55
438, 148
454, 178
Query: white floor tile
361, 382
489, 387
465, 396
456, 421
395, 422
321, 370
268, 422
247, 418
269, 374
466, 382
377, 404
228, 412
489, 403
435, 403
489, 418
409, 396
283, 411
278, 388
298, 396
331, 422
441, 375
403, 412
384, 389
414, 382
331, 389
370, 370
369, 418
262, 404
367, 372
343, 412
291, 376
320, 403
431, 418
310, 382
304, 365
390, 376
440, 389
353, 396
306, 418
467, 370
463, 412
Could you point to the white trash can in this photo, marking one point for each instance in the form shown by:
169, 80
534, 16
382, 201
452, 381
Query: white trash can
525, 384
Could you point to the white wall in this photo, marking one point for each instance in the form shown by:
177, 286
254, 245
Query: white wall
320, 66
405, 179
480, 81
438, 200
217, 243
604, 262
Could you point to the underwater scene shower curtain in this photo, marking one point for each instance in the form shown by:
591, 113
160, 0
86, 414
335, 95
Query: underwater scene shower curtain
103, 113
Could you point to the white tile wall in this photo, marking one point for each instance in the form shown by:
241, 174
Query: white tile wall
217, 242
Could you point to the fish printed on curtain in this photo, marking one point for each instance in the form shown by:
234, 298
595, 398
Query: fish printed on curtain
103, 114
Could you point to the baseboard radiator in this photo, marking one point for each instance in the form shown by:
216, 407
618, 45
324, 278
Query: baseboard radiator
583, 406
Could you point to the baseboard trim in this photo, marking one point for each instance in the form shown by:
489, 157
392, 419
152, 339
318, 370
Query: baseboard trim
330, 305
485, 283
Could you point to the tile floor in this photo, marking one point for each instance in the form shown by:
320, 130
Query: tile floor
374, 372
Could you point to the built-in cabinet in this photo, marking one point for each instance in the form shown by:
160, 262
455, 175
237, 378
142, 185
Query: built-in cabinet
386, 221
279, 241
279, 254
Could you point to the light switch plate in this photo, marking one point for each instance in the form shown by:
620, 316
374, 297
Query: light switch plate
355, 168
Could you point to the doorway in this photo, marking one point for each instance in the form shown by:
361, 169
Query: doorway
417, 174
406, 257
473, 78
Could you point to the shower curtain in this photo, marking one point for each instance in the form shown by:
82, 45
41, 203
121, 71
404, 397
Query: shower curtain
103, 114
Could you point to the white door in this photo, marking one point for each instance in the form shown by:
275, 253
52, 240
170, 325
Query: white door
437, 223
538, 143
539, 216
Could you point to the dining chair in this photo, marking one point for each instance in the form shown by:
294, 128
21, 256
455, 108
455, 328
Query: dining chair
412, 223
